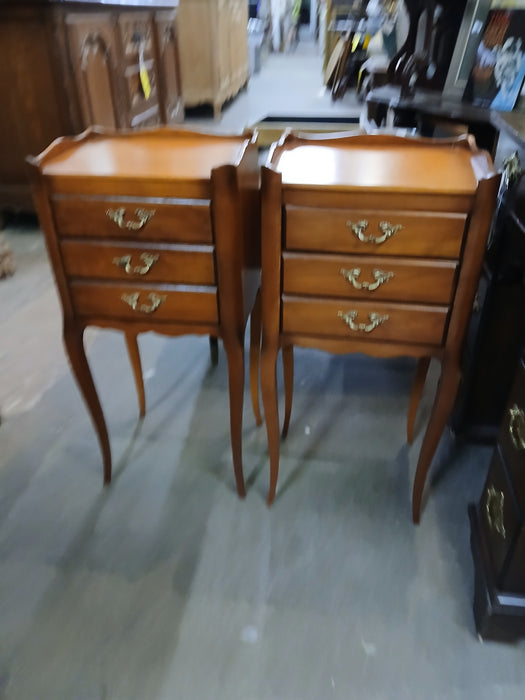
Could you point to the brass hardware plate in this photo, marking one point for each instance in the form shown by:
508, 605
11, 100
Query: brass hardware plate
517, 427
379, 276
132, 300
375, 320
118, 216
387, 229
494, 503
124, 263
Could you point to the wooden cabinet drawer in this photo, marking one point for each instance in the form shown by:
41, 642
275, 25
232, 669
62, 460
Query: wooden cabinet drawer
184, 221
175, 264
498, 514
359, 277
512, 435
333, 318
156, 303
433, 235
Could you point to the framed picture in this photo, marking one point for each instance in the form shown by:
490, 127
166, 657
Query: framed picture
496, 78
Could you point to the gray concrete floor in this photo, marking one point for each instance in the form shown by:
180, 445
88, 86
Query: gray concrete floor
165, 585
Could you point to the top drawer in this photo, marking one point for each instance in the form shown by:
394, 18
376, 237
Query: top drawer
181, 221
436, 235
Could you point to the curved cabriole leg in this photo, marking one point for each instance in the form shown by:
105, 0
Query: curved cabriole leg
415, 395
235, 356
74, 343
271, 413
255, 356
443, 402
136, 366
288, 386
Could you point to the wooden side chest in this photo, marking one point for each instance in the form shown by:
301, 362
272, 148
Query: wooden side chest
373, 244
153, 231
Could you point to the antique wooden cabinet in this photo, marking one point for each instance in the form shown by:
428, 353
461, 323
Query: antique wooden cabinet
498, 528
69, 65
372, 243
213, 50
154, 230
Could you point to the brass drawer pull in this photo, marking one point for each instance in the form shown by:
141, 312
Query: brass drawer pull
133, 301
387, 229
375, 321
517, 427
143, 215
125, 263
494, 502
379, 276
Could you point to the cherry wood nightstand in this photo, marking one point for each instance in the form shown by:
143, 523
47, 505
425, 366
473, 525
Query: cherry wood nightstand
159, 231
374, 244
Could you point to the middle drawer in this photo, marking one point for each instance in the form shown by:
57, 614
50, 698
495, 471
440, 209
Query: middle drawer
175, 264
363, 277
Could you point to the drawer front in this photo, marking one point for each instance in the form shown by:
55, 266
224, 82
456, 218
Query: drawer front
375, 232
498, 514
176, 264
512, 435
188, 222
161, 303
341, 318
360, 277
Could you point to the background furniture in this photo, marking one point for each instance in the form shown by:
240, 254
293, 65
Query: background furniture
498, 528
68, 65
374, 244
213, 50
154, 231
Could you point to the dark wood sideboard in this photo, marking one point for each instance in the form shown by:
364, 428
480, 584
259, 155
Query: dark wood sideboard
69, 65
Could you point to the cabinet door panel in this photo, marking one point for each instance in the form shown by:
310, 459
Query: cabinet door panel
94, 55
172, 106
140, 70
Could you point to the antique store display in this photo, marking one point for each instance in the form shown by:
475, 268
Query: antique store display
154, 230
372, 244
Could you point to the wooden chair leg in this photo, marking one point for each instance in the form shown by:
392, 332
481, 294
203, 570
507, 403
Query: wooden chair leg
235, 356
214, 350
271, 412
74, 344
443, 403
255, 356
415, 396
288, 386
136, 366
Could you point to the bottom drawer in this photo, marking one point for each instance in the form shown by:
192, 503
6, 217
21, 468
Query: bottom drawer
402, 323
162, 302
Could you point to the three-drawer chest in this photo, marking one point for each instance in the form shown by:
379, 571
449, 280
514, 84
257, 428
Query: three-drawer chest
374, 244
153, 231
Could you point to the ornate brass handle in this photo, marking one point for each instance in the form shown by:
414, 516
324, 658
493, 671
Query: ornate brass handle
494, 503
375, 321
143, 215
133, 301
387, 229
379, 276
517, 427
125, 263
